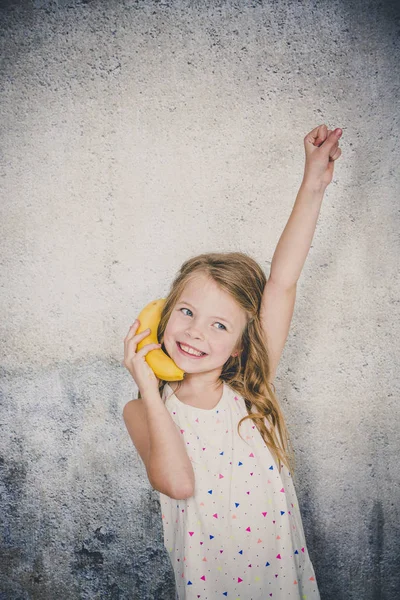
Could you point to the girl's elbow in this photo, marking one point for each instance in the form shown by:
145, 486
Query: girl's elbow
188, 493
182, 493
177, 493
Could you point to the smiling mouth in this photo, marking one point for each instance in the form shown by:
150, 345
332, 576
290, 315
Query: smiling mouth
187, 351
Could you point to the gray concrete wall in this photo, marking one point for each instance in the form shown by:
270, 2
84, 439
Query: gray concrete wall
135, 134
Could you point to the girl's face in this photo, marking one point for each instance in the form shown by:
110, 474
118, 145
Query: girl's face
204, 319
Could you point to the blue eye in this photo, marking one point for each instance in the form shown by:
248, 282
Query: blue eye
222, 325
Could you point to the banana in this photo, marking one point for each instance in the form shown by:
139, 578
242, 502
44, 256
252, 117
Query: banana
162, 365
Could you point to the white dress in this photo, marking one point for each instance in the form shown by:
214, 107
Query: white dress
240, 536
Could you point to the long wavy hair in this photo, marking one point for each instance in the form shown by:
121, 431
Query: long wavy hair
248, 373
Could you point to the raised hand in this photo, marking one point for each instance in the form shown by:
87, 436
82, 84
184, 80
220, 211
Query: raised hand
322, 149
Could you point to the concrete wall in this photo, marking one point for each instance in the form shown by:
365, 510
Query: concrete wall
135, 134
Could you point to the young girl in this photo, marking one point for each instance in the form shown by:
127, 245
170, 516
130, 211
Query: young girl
215, 444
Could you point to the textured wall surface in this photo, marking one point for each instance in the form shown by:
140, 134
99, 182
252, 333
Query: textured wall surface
135, 134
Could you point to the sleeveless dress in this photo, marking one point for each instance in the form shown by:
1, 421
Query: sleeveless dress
240, 536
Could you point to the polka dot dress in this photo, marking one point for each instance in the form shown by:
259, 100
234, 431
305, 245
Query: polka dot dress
240, 536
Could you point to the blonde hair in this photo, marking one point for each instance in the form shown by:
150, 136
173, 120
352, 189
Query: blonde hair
248, 373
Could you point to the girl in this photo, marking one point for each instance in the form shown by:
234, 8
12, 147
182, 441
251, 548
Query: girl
215, 444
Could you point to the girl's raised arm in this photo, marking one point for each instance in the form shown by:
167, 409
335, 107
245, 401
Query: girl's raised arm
277, 307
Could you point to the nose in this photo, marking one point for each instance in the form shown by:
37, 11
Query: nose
194, 331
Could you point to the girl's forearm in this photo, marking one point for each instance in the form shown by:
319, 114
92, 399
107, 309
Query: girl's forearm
170, 469
294, 244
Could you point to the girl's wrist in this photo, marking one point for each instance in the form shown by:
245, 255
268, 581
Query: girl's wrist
314, 185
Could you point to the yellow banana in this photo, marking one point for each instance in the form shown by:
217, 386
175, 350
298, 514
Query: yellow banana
162, 365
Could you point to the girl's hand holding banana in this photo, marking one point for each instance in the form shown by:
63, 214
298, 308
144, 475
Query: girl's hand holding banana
135, 361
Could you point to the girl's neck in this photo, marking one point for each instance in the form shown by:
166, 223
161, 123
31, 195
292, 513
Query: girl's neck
200, 397
198, 386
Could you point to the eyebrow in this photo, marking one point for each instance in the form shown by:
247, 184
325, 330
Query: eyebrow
214, 317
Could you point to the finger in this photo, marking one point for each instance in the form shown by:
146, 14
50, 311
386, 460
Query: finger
132, 342
132, 332
133, 327
317, 135
336, 154
322, 136
328, 133
331, 143
143, 334
143, 351
334, 147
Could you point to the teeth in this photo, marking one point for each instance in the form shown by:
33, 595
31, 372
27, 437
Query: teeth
190, 351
